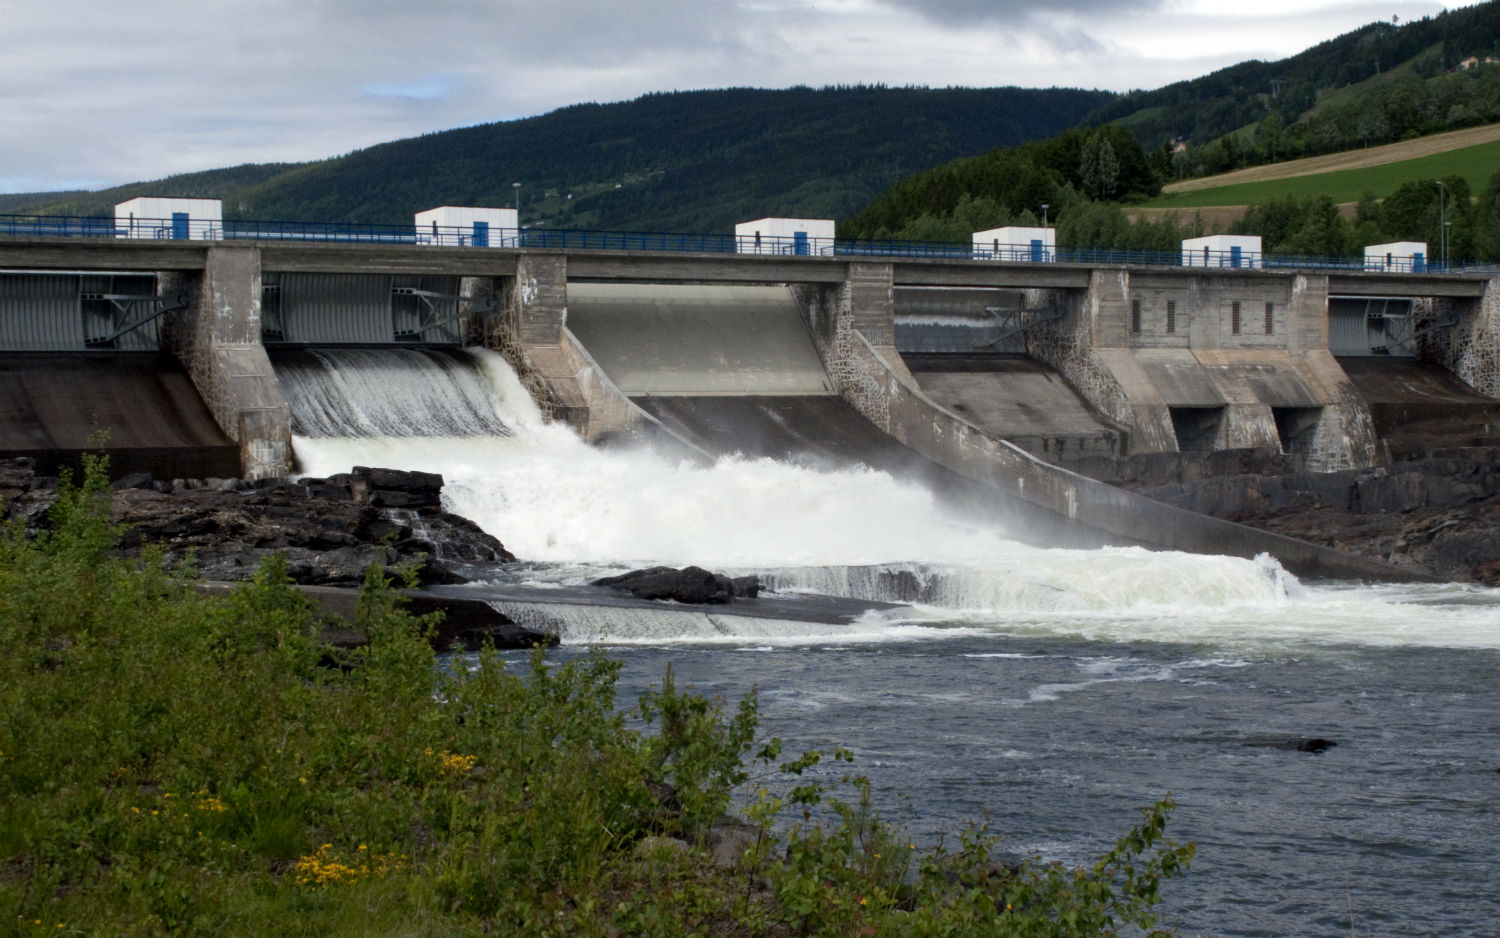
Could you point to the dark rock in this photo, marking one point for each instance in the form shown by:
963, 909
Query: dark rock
689, 585
132, 480
395, 488
505, 636
747, 587
1295, 744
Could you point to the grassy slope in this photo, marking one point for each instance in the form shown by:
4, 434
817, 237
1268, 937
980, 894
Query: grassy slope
1474, 163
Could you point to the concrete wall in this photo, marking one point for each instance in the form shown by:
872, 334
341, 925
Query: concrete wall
1208, 362
217, 337
529, 330
895, 404
1471, 349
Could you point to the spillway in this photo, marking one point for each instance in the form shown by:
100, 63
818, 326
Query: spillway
809, 521
54, 405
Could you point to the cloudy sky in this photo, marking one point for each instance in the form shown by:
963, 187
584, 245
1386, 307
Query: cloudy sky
99, 92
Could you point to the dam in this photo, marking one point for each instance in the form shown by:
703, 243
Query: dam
985, 379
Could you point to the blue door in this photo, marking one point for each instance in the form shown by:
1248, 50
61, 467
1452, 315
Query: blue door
1037, 254
179, 226
799, 243
1419, 263
1234, 256
481, 234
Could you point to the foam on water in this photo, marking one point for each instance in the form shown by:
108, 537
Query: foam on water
578, 512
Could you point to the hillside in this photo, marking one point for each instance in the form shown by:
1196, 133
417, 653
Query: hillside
1084, 175
689, 161
1374, 85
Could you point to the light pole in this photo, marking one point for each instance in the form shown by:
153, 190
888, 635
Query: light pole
1045, 206
517, 206
1443, 221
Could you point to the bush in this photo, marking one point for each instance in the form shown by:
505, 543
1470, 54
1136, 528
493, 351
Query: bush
172, 763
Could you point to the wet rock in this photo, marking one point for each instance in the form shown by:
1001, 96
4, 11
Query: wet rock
693, 585
504, 636
328, 536
395, 488
1296, 744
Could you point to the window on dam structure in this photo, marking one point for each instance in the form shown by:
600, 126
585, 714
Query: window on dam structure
1198, 429
1296, 426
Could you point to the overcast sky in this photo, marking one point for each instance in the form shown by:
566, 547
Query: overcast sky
98, 92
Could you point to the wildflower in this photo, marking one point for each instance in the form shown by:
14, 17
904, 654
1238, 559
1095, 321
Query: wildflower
452, 763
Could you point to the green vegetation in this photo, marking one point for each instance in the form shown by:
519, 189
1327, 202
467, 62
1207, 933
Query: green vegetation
177, 764
1380, 83
1313, 224
691, 161
1474, 165
1008, 186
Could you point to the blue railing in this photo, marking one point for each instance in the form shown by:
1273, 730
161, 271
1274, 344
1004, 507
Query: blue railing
61, 226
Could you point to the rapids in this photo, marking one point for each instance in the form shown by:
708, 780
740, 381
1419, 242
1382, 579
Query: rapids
1051, 689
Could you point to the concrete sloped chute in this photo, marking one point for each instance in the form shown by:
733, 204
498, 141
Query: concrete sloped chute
676, 340
55, 407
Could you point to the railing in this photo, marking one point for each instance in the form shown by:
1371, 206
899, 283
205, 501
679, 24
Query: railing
60, 226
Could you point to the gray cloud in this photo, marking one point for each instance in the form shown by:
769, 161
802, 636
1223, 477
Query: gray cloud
96, 92
965, 13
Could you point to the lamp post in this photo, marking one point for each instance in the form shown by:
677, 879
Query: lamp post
517, 205
1045, 206
1443, 221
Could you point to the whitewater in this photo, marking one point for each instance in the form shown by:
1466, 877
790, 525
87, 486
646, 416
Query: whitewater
1052, 689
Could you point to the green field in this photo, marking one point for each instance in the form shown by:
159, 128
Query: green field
1476, 164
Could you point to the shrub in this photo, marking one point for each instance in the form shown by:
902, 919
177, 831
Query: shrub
174, 763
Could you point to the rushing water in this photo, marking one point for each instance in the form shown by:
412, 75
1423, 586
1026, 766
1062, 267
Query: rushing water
1053, 690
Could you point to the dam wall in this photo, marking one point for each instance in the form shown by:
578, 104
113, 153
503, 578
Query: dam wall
217, 336
1170, 361
892, 401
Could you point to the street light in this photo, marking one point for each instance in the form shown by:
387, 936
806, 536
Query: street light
1045, 206
1443, 221
517, 186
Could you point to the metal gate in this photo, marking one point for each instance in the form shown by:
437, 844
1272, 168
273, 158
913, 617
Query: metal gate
77, 311
360, 309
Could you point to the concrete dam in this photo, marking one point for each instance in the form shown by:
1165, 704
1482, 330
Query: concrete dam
982, 381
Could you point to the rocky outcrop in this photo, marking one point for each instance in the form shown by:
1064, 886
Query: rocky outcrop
1439, 514
688, 585
330, 530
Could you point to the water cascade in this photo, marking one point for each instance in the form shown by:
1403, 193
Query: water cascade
575, 512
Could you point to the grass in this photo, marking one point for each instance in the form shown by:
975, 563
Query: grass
172, 763
1475, 164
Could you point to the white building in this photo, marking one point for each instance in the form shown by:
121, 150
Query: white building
785, 236
1222, 251
1016, 243
465, 226
175, 219
1400, 256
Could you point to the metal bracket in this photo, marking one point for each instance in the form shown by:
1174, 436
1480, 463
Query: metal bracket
1013, 322
134, 311
430, 298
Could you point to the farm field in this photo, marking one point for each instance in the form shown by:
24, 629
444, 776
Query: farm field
1473, 153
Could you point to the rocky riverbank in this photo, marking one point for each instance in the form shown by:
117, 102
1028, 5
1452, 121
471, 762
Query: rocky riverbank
330, 530
1437, 514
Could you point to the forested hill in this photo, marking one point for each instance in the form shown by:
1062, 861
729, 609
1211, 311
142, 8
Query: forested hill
685, 161
1377, 84
1251, 113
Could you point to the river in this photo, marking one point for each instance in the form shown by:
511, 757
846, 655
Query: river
1053, 691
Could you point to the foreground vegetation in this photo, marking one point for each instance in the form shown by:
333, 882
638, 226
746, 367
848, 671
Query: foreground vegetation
172, 763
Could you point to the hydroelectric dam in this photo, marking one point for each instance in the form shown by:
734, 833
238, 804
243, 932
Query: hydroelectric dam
984, 380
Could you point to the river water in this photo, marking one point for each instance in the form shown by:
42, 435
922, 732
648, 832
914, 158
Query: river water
1053, 691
